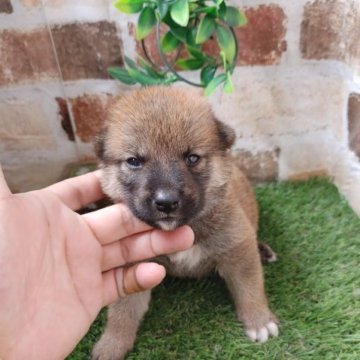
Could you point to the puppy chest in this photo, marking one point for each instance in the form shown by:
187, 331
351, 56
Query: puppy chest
193, 262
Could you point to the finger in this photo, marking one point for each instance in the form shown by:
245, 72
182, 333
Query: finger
4, 189
128, 278
113, 223
79, 191
146, 246
120, 282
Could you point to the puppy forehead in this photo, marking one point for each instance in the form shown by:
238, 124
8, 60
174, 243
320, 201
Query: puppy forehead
161, 120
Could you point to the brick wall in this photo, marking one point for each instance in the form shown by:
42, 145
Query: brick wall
54, 87
295, 107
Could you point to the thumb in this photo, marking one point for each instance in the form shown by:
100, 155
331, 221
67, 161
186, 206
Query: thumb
120, 282
4, 189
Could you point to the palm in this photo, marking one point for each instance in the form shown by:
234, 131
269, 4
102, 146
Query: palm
58, 268
60, 271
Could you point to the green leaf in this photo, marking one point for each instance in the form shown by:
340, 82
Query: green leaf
222, 10
189, 64
121, 75
129, 6
234, 17
169, 42
180, 12
226, 42
142, 78
195, 52
228, 86
169, 21
214, 83
130, 63
163, 7
150, 70
207, 74
146, 22
190, 37
193, 7
211, 10
170, 79
179, 33
205, 29
223, 59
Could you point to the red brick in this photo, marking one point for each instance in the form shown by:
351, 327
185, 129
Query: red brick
330, 30
89, 112
26, 56
6, 7
65, 118
86, 50
259, 167
354, 122
261, 41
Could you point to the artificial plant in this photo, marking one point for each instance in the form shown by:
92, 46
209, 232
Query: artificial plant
189, 25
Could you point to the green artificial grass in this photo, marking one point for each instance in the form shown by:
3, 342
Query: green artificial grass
314, 288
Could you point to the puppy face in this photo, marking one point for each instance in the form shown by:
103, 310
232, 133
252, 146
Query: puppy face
165, 155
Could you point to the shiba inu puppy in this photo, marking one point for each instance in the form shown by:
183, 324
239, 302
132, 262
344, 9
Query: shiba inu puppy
165, 155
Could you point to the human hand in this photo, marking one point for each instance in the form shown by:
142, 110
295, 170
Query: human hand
59, 268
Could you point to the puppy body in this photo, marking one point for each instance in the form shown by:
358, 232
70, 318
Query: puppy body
216, 232
165, 155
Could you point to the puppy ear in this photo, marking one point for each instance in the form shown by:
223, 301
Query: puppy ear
226, 134
99, 144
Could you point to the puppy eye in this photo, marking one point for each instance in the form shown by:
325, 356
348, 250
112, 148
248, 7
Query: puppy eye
134, 163
192, 159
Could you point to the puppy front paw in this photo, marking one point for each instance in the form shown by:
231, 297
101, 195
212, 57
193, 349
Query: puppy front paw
263, 333
260, 324
110, 348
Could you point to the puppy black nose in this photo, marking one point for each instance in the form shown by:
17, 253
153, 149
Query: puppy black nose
166, 201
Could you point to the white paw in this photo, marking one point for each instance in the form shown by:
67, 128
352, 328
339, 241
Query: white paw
262, 335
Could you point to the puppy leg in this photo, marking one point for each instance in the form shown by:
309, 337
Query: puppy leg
123, 321
241, 269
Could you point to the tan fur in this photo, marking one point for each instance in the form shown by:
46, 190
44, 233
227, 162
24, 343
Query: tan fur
160, 124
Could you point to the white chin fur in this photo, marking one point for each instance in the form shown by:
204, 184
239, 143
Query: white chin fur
167, 225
